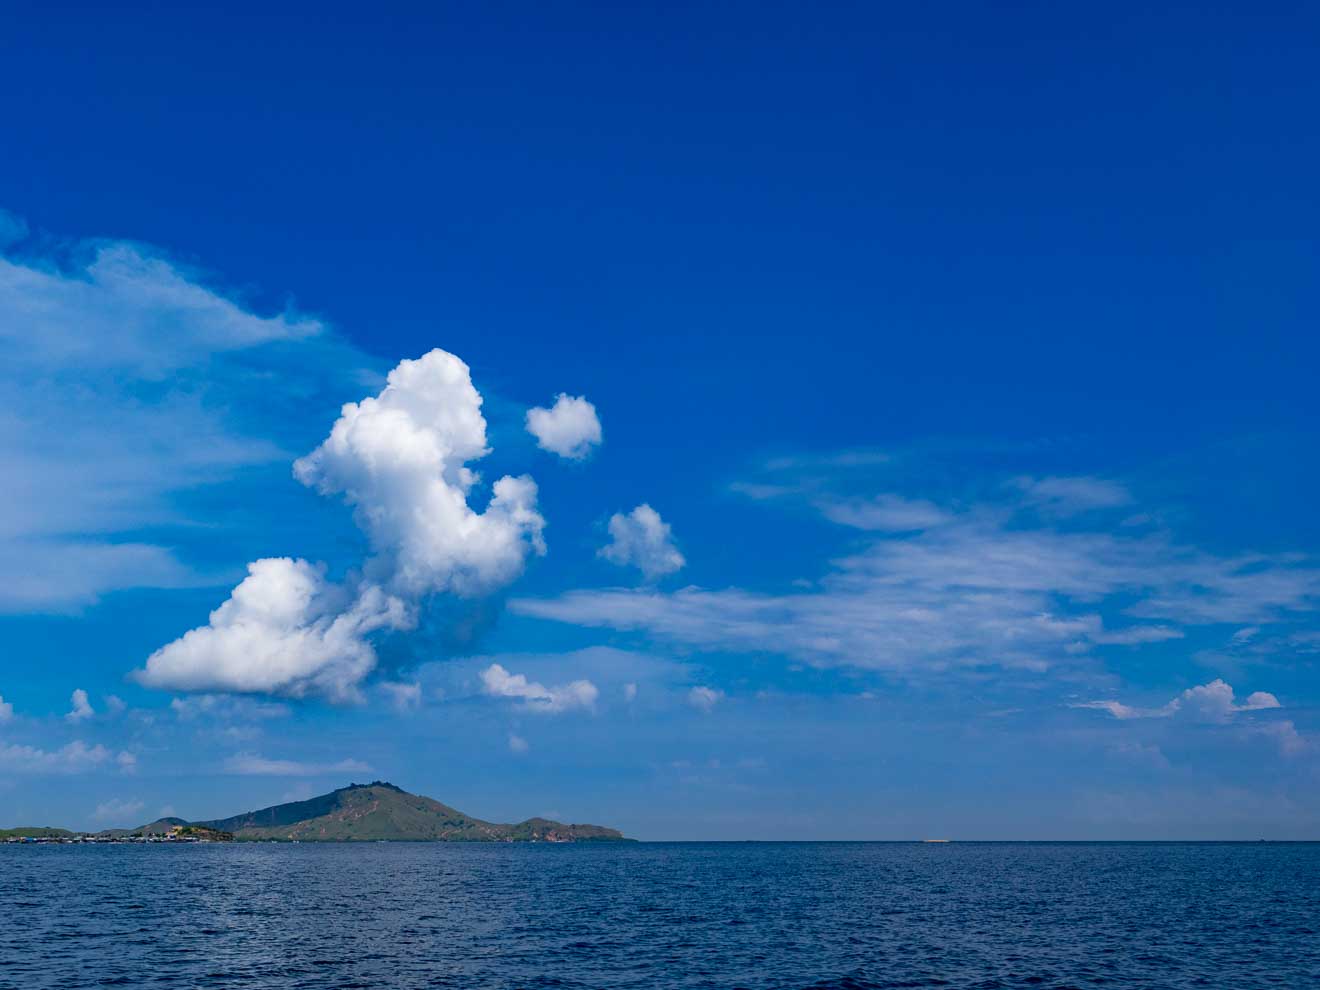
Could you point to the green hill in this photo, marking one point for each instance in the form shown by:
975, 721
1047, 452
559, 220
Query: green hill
382, 812
35, 832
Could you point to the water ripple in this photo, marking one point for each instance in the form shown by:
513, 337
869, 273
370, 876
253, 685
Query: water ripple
683, 916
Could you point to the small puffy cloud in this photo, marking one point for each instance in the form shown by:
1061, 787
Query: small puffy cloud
517, 744
569, 428
499, 683
630, 692
1214, 701
255, 765
119, 812
76, 757
82, 707
643, 540
127, 762
114, 704
403, 696
704, 699
284, 630
6, 710
1259, 700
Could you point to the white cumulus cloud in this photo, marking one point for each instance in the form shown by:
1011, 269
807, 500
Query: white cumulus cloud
400, 460
284, 630
569, 428
499, 683
643, 540
1214, 701
82, 706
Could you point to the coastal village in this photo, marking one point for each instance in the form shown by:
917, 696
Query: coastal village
171, 833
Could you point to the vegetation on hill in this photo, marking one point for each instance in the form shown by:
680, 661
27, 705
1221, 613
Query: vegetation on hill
383, 812
35, 832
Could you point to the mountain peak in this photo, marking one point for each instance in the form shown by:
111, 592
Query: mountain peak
375, 783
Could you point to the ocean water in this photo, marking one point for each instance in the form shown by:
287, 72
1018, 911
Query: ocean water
818, 915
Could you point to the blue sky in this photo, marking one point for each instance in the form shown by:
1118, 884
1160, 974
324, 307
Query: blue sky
936, 456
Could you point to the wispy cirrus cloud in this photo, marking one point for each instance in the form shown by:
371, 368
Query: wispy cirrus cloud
885, 512
992, 584
256, 765
124, 379
227, 708
1069, 495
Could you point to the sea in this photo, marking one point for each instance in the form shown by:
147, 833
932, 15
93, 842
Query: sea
664, 915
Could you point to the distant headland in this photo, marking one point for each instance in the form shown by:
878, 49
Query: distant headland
375, 812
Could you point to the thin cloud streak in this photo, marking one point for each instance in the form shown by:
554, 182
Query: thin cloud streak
973, 592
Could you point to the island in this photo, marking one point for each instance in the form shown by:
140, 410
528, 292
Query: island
375, 812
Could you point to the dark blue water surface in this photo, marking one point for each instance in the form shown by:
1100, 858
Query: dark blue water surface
661, 915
